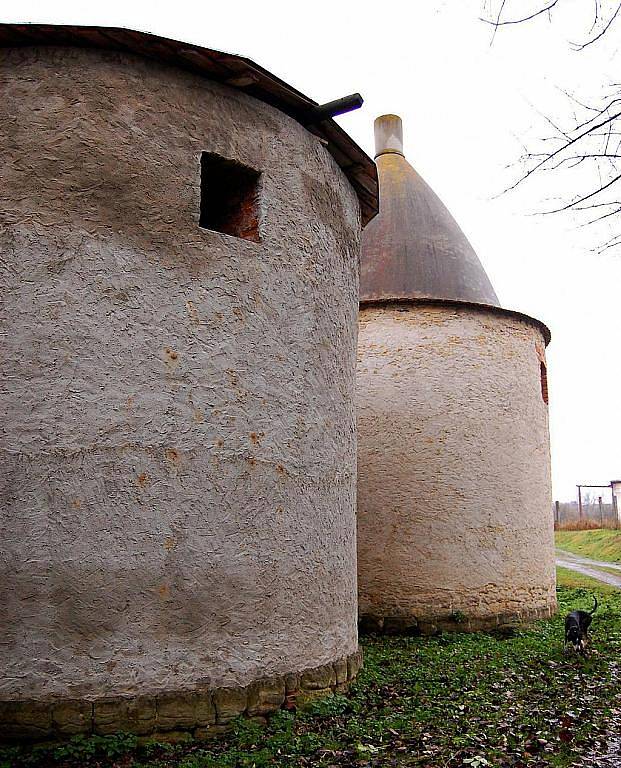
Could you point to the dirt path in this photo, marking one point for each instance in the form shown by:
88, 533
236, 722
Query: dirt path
592, 568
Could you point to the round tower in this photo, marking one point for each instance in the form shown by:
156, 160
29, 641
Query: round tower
454, 497
180, 297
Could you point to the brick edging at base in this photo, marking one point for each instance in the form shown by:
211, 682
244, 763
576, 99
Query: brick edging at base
430, 625
201, 712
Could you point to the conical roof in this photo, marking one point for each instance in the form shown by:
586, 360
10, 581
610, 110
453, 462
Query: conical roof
414, 248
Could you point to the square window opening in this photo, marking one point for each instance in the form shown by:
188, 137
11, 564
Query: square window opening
229, 197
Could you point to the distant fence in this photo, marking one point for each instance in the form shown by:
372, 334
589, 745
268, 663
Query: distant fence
594, 515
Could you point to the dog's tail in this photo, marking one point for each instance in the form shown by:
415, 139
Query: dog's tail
594, 606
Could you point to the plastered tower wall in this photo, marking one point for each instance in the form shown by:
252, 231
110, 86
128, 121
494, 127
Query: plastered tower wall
178, 439
454, 469
454, 529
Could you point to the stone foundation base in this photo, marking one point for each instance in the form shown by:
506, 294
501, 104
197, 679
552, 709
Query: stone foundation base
202, 713
370, 624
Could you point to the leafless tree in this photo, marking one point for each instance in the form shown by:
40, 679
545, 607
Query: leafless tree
586, 146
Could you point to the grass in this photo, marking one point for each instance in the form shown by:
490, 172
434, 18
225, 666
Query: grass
451, 701
573, 580
601, 544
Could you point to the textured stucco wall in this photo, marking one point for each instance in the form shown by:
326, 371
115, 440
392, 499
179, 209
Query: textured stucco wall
453, 466
178, 445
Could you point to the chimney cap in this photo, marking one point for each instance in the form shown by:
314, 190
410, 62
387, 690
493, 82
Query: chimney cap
388, 135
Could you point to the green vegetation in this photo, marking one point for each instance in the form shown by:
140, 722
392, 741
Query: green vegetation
455, 700
600, 544
567, 578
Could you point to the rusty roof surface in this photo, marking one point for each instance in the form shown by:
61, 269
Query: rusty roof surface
414, 248
235, 71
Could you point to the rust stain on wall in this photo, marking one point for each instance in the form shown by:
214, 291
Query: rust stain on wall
172, 456
171, 358
192, 312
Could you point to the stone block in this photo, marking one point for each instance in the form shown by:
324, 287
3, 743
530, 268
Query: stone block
401, 625
292, 683
265, 696
354, 664
229, 703
318, 678
340, 670
109, 715
72, 716
290, 702
25, 720
307, 697
258, 719
428, 627
175, 710
140, 715
370, 625
506, 619
205, 709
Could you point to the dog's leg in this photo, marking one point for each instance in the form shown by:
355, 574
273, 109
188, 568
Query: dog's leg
586, 646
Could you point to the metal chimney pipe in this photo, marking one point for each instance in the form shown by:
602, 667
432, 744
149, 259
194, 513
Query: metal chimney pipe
388, 135
333, 108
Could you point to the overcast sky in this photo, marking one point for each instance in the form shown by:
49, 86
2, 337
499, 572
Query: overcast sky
468, 108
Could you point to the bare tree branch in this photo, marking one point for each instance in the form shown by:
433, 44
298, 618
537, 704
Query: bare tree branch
582, 46
614, 212
562, 148
595, 16
499, 23
614, 242
585, 197
584, 149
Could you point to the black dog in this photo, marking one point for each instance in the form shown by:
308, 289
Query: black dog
577, 625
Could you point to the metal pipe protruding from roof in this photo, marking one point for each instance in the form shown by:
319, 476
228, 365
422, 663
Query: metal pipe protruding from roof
235, 72
336, 107
388, 135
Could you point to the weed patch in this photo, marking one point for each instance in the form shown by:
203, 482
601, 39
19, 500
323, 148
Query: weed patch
455, 700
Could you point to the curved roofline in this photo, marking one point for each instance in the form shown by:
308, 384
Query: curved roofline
545, 331
230, 69
415, 248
